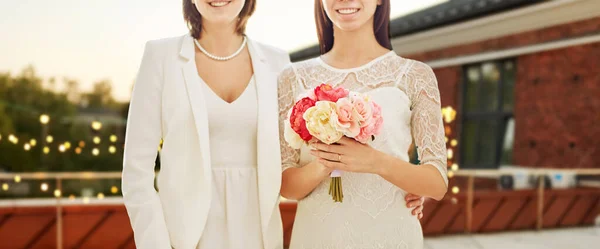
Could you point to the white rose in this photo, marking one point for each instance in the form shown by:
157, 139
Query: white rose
320, 124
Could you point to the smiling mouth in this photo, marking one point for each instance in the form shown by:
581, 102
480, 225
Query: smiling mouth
347, 11
219, 3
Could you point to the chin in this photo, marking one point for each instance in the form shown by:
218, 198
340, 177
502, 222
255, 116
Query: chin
349, 27
221, 19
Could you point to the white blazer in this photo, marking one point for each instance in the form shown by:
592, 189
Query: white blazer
167, 102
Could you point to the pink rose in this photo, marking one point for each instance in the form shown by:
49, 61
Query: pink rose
325, 92
296, 118
374, 127
363, 108
346, 118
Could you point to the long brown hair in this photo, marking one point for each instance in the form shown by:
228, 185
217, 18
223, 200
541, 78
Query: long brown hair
194, 20
381, 26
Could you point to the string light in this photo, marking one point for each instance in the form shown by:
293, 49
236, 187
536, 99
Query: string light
57, 193
44, 187
49, 139
450, 174
44, 119
5, 186
455, 190
453, 143
113, 138
100, 196
449, 114
447, 130
96, 152
450, 154
96, 125
97, 140
112, 149
61, 148
0, 137
86, 200
12, 138
454, 200
454, 167
27, 147
17, 178
46, 150
81, 144
67, 145
71, 197
78, 150
114, 189
33, 142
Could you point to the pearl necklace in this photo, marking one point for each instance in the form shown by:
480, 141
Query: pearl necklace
221, 58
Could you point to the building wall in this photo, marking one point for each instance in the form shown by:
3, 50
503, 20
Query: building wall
557, 108
557, 95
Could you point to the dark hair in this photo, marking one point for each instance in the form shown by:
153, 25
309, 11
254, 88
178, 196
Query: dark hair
194, 20
381, 26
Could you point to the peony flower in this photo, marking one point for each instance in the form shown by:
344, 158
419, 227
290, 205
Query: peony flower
374, 127
363, 107
297, 121
325, 92
346, 118
320, 124
291, 137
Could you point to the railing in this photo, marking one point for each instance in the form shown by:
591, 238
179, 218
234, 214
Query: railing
59, 177
539, 173
469, 174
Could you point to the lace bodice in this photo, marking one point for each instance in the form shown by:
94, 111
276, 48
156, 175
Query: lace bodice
373, 214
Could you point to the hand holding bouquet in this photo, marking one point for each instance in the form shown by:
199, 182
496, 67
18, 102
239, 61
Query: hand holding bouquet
327, 114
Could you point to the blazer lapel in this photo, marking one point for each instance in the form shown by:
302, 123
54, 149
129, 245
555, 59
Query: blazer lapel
268, 158
198, 105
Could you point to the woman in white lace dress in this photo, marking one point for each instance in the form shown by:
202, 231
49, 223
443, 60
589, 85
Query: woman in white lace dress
377, 176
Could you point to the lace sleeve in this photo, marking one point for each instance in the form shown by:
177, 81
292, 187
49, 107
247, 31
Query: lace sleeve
289, 157
426, 121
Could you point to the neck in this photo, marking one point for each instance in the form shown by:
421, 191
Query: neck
219, 40
356, 45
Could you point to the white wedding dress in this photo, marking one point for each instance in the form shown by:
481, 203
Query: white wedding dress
373, 213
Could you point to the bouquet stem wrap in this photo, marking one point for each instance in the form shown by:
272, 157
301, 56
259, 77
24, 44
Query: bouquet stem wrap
335, 186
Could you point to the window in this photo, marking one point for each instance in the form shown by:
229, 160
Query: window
488, 121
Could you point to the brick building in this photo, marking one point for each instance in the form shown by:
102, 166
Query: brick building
524, 77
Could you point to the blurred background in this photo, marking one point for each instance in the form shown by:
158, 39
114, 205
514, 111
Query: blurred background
520, 86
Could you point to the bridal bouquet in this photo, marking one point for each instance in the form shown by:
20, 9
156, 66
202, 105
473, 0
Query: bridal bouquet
327, 114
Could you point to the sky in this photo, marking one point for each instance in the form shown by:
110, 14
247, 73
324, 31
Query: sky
95, 40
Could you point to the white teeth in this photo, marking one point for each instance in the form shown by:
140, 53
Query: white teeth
347, 11
219, 4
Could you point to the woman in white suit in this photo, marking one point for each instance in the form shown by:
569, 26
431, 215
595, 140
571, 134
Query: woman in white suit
211, 96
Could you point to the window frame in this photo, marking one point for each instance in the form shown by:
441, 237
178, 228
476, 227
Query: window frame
500, 116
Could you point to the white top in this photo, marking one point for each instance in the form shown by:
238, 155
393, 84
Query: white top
374, 212
234, 217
